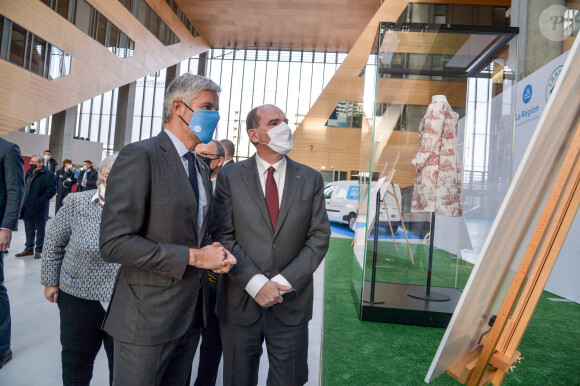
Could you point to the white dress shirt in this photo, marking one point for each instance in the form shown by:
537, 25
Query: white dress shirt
258, 281
202, 204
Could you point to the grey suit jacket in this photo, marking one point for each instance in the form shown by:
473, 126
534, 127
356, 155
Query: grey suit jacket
294, 249
11, 184
149, 222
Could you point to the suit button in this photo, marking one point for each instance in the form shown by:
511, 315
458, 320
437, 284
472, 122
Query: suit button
274, 246
268, 274
199, 275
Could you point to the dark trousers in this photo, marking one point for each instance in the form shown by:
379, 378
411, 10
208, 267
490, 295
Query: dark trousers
34, 229
59, 199
81, 338
4, 310
287, 348
210, 350
168, 363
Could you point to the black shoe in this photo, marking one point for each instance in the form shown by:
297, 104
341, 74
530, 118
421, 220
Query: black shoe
5, 357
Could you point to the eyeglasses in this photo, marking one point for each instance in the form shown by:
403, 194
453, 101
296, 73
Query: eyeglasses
204, 154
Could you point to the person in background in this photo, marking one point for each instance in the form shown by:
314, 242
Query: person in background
65, 178
230, 151
88, 178
40, 187
270, 213
210, 350
49, 162
212, 153
11, 195
74, 276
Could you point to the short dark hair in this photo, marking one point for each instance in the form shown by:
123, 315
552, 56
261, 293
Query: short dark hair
88, 161
228, 146
252, 120
221, 152
67, 161
47, 151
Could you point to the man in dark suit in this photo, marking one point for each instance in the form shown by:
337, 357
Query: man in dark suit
230, 151
11, 194
157, 235
270, 213
65, 178
49, 162
88, 177
40, 187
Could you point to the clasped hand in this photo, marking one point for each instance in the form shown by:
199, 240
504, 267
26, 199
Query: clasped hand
214, 257
270, 294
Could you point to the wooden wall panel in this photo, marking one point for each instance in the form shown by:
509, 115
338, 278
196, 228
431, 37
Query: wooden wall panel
94, 70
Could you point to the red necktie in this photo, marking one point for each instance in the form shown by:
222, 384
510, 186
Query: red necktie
272, 197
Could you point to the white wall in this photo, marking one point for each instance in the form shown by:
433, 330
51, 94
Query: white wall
31, 144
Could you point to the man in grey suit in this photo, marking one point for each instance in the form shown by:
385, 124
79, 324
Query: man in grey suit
270, 213
153, 224
11, 196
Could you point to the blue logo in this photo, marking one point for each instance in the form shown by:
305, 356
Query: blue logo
527, 94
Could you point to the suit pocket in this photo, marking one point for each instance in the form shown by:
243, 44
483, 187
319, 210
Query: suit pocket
145, 277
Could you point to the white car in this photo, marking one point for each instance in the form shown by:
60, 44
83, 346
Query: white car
342, 204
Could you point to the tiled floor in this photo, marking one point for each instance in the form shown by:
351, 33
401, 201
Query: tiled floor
35, 328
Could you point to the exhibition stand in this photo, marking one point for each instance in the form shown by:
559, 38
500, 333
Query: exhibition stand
440, 112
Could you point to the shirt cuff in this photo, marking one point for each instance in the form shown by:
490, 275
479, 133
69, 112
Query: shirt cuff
6, 229
282, 281
255, 284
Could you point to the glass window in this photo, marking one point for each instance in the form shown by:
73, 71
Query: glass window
17, 45
113, 40
38, 56
62, 8
102, 29
83, 16
328, 191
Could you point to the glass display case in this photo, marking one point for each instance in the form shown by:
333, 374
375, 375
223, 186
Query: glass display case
435, 165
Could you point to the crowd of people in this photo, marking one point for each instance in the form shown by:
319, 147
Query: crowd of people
171, 242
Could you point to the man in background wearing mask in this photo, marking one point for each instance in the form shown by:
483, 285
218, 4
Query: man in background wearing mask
49, 162
158, 235
88, 177
270, 212
65, 179
40, 187
210, 348
212, 154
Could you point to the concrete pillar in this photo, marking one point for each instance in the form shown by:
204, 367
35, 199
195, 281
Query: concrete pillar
61, 135
124, 122
535, 45
201, 64
172, 73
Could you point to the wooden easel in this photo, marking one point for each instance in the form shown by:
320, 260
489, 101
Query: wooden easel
497, 353
389, 183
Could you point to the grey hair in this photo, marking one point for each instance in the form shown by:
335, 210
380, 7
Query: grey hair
39, 157
185, 88
221, 152
106, 166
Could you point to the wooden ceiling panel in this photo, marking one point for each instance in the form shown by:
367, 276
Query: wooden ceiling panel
281, 24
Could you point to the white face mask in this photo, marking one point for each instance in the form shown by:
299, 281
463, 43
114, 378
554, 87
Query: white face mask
46, 157
281, 140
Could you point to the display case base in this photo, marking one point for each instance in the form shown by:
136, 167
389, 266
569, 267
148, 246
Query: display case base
402, 309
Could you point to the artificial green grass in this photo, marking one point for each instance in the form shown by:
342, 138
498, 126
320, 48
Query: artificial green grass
370, 353
395, 266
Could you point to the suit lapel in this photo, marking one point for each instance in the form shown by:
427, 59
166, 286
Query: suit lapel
252, 182
175, 166
291, 184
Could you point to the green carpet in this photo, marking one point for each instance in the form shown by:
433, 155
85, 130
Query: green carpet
369, 353
395, 266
